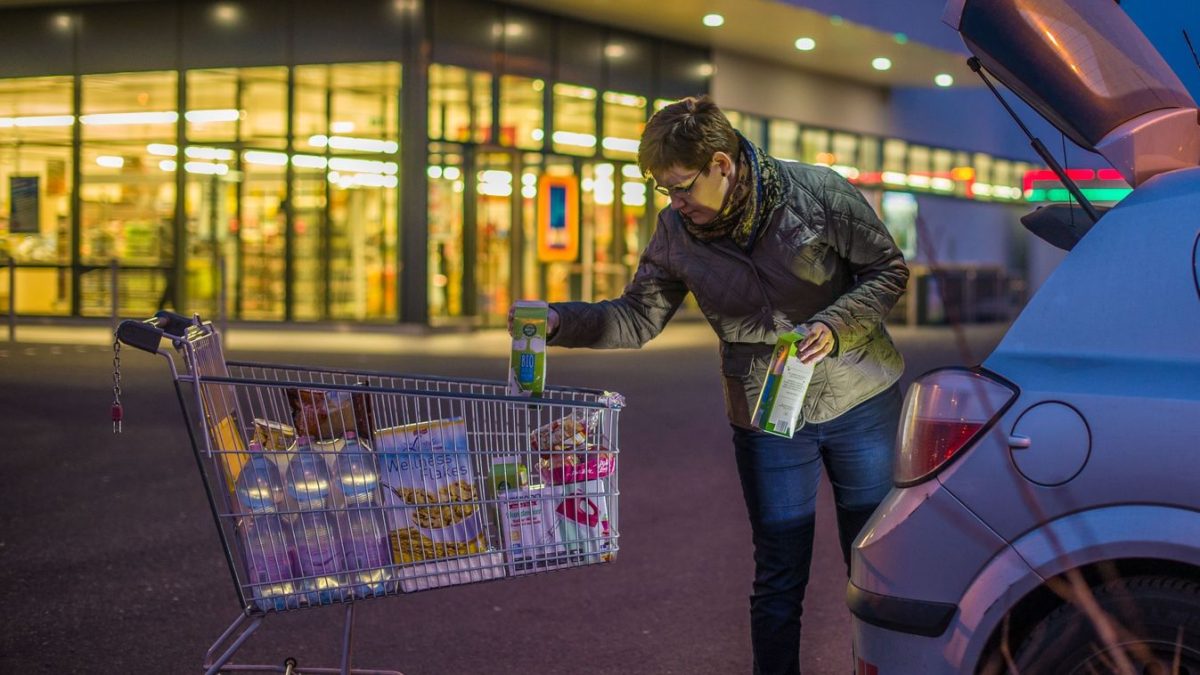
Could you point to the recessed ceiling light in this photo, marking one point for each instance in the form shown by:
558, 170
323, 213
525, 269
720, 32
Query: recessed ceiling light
714, 20
881, 63
943, 80
806, 44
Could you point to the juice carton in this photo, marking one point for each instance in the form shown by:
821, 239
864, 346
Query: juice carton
527, 367
782, 397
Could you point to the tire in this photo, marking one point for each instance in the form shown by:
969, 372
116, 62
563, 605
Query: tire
1158, 620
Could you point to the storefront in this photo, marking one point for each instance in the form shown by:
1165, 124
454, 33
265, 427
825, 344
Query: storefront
390, 161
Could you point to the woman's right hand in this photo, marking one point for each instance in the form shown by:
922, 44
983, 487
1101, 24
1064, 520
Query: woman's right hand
551, 320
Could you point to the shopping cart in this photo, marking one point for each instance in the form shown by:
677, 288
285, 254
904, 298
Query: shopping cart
329, 487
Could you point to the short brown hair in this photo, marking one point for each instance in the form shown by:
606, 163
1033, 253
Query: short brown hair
686, 133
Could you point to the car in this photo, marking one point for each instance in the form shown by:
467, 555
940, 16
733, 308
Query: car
1046, 510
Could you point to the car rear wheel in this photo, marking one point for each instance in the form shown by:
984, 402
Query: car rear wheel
1157, 623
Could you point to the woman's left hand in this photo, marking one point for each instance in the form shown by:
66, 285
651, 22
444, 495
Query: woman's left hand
818, 342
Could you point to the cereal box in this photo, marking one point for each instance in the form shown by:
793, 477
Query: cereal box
433, 499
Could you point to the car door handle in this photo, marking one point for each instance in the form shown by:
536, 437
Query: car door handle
1019, 442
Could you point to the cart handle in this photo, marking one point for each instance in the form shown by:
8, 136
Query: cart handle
147, 334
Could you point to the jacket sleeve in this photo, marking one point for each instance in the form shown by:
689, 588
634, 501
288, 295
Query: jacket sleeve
880, 275
644, 308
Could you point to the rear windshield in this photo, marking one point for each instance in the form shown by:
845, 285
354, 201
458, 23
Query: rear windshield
1083, 64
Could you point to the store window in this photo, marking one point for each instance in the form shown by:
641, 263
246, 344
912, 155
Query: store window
36, 122
127, 190
783, 140
574, 120
624, 120
521, 112
942, 164
460, 104
447, 183
895, 162
868, 157
919, 167
345, 191
817, 149
236, 188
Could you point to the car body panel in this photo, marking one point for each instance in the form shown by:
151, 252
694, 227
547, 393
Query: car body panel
919, 517
1002, 581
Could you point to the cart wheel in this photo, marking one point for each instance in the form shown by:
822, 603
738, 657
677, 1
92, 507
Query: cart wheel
289, 666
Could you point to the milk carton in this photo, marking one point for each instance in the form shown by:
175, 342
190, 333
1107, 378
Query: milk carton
782, 398
527, 366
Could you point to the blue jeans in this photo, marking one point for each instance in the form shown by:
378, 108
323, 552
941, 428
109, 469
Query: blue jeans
779, 482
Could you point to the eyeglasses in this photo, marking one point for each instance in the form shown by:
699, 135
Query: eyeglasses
680, 190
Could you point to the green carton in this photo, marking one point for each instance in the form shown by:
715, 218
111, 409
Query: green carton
782, 397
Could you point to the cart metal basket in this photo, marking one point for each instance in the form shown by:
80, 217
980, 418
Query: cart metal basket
330, 487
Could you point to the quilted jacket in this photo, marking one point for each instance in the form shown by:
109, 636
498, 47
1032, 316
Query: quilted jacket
822, 255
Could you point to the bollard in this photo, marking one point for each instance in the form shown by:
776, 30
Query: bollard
12, 299
116, 295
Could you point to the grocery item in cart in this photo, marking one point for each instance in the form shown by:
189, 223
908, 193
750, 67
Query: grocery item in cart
258, 485
527, 365
267, 543
576, 462
364, 533
229, 447
326, 414
432, 494
276, 439
319, 558
530, 528
573, 448
583, 520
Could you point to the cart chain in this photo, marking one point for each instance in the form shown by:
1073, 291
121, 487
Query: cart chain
117, 411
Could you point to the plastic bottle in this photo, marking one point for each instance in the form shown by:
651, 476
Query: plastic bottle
319, 558
267, 542
364, 531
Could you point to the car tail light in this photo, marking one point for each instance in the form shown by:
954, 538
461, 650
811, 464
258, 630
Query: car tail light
946, 411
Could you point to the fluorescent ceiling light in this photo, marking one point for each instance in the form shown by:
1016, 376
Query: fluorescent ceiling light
713, 20
806, 44
572, 138
620, 144
200, 152
161, 149
266, 158
309, 161
111, 161
113, 119
352, 143
881, 63
202, 116
943, 80
207, 168
37, 121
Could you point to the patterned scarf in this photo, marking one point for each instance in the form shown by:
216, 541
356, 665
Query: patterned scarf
758, 190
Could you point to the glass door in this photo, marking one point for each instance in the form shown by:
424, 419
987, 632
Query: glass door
494, 214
